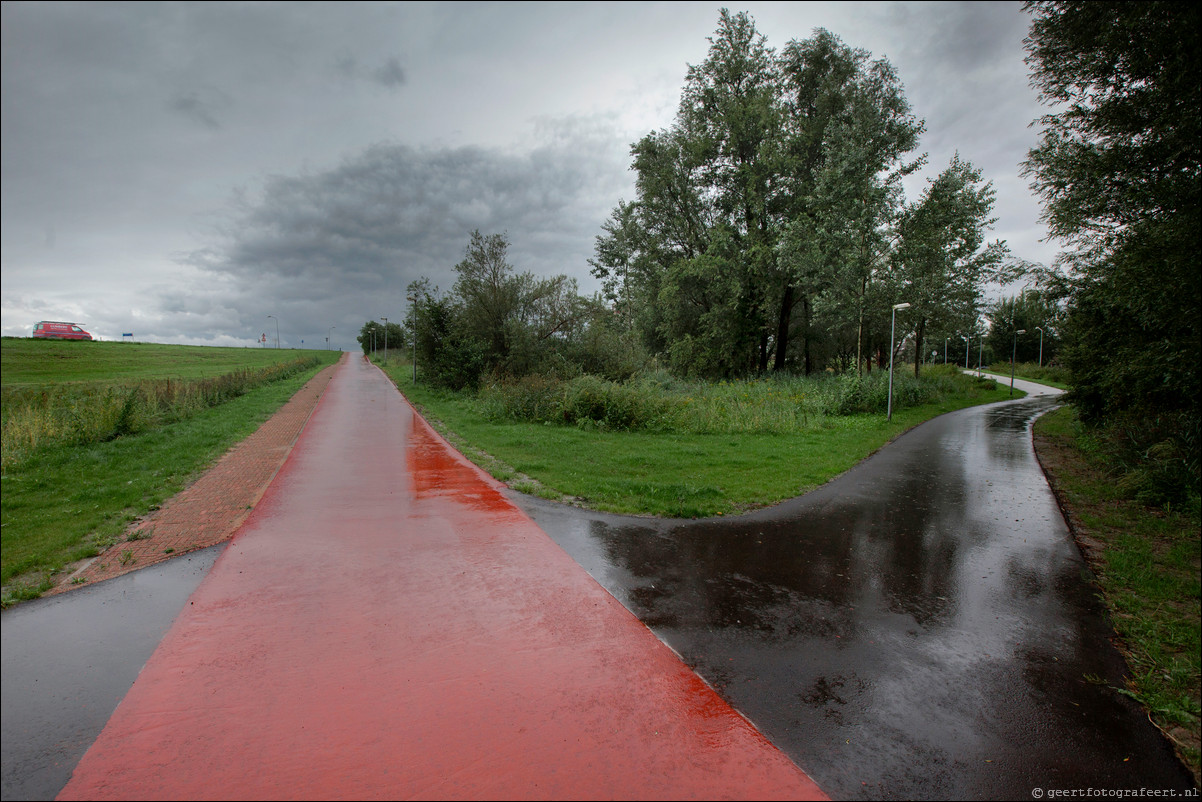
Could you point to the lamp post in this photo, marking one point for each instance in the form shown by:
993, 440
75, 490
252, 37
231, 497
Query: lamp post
967, 340
892, 328
277, 330
1040, 328
945, 339
413, 300
1013, 353
385, 341
328, 333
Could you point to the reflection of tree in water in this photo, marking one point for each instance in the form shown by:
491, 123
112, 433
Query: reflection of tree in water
806, 576
885, 611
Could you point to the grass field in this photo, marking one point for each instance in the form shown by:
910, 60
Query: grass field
54, 362
682, 474
91, 443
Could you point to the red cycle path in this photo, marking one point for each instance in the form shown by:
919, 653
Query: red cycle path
387, 625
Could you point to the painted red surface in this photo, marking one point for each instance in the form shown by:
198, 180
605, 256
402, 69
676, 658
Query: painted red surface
387, 625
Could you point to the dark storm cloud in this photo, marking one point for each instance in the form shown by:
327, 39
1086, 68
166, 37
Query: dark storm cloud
344, 242
393, 203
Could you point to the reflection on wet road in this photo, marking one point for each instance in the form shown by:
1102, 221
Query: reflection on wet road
921, 627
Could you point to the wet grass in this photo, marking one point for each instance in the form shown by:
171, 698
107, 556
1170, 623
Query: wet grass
1050, 375
1147, 562
70, 497
680, 474
36, 362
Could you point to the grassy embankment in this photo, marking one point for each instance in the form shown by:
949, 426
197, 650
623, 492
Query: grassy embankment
681, 449
98, 434
1051, 375
1146, 561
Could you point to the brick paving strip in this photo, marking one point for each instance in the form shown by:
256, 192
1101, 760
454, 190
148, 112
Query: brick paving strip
211, 509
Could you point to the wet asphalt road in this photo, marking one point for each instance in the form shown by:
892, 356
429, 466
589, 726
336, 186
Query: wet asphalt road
922, 627
69, 659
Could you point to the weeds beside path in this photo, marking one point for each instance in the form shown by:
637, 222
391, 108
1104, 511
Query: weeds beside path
96, 498
212, 509
707, 465
1146, 562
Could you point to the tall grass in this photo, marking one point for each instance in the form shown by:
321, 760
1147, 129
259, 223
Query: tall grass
657, 402
1053, 374
79, 414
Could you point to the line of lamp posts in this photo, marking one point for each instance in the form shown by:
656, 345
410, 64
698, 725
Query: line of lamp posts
329, 332
967, 341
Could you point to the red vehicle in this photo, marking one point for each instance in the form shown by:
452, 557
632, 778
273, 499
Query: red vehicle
56, 330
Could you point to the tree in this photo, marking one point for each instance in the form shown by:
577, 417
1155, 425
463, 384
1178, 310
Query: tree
488, 291
1028, 311
495, 321
775, 184
371, 336
942, 260
850, 129
1119, 169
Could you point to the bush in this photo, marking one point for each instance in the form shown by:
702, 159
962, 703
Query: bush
656, 401
1156, 456
533, 399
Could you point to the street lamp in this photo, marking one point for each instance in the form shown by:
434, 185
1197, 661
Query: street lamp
1040, 345
413, 300
385, 341
967, 340
892, 327
1013, 352
328, 333
277, 330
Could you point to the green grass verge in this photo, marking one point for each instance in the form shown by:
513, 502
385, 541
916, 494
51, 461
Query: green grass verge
68, 503
665, 474
1147, 563
1049, 375
33, 362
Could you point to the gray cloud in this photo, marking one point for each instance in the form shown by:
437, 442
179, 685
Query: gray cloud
389, 74
342, 243
203, 105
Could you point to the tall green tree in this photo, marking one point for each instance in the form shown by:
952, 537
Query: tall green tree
776, 183
1120, 170
942, 260
849, 134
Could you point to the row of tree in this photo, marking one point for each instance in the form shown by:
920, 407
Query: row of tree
770, 232
770, 228
1120, 170
496, 321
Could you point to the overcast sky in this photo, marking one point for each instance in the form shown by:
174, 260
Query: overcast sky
182, 171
